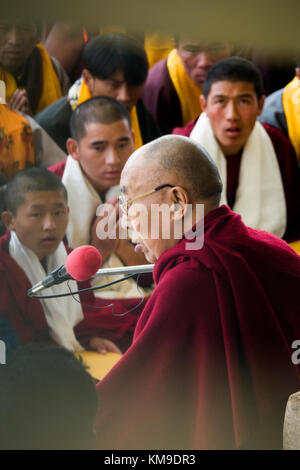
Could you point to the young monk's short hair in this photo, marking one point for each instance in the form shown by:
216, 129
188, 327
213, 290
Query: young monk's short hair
233, 69
97, 109
30, 180
106, 54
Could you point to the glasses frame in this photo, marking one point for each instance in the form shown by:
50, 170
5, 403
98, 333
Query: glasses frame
125, 205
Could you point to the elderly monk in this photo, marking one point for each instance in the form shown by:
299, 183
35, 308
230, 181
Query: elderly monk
210, 365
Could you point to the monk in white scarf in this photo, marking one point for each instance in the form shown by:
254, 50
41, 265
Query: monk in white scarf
232, 100
37, 217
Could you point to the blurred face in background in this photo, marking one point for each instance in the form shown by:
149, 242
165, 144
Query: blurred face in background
17, 41
198, 58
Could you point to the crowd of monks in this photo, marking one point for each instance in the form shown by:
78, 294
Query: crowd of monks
94, 119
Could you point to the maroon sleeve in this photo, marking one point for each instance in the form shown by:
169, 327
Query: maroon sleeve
24, 313
290, 174
186, 130
161, 99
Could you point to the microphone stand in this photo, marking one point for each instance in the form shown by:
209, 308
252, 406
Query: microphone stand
144, 268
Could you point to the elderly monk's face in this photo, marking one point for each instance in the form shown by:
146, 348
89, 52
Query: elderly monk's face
198, 58
232, 108
17, 41
145, 230
41, 221
103, 152
114, 87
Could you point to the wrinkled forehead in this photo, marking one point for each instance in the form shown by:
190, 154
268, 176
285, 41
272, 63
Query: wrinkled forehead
201, 45
24, 26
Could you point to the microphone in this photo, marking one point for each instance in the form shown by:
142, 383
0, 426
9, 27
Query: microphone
81, 264
140, 269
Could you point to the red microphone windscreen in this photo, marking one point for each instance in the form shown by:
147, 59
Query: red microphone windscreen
83, 262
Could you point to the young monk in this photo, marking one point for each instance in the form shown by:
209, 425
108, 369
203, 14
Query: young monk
102, 141
36, 217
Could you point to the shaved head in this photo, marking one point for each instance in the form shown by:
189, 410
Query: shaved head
182, 162
173, 175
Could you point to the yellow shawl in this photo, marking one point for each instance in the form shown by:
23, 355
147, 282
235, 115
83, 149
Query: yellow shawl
85, 94
157, 47
16, 142
188, 92
291, 107
51, 89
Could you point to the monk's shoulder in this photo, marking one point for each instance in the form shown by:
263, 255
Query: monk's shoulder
186, 271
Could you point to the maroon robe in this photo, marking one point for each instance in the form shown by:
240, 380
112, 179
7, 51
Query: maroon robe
289, 170
27, 318
210, 365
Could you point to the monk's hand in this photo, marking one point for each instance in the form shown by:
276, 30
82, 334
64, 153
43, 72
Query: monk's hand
106, 246
104, 346
20, 102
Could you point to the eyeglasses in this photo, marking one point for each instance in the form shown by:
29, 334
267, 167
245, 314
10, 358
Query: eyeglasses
125, 205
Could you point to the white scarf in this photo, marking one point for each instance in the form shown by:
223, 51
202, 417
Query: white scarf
62, 314
83, 201
260, 198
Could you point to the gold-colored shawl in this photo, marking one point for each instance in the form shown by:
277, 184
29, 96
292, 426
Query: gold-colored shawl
291, 107
16, 142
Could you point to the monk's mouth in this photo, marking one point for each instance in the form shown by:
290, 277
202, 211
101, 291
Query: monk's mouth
49, 241
233, 131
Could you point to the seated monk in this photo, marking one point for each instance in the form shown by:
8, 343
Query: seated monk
36, 217
101, 143
33, 79
23, 143
257, 164
210, 366
115, 65
174, 84
281, 110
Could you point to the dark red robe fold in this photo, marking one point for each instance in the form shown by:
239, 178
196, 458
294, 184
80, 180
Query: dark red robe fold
27, 318
210, 365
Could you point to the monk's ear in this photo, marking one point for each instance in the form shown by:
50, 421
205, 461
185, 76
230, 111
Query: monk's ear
202, 102
8, 219
88, 78
180, 201
72, 147
297, 72
261, 103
